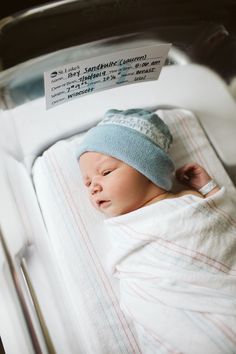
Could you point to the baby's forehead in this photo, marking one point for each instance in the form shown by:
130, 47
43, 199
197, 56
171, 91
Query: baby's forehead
106, 158
98, 157
92, 161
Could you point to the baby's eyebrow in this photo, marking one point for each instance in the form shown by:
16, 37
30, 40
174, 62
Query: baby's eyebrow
103, 160
99, 165
109, 159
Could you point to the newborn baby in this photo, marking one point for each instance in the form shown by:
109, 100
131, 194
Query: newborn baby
173, 253
125, 165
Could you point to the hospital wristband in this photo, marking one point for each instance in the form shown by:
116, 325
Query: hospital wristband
208, 187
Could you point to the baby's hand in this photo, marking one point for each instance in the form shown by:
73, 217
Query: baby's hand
194, 175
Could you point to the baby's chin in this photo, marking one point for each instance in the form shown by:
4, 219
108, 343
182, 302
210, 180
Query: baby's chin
112, 211
109, 212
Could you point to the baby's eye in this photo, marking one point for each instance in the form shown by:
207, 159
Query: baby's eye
106, 172
87, 184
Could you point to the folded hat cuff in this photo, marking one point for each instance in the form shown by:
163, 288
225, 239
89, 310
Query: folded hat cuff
133, 148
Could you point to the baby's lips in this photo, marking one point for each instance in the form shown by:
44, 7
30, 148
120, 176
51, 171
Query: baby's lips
103, 203
99, 201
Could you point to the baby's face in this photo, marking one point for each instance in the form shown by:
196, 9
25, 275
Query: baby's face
114, 187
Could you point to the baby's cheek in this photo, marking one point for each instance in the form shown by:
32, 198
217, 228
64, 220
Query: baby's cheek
114, 189
92, 202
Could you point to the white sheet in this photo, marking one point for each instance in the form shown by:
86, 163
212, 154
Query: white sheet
78, 247
176, 263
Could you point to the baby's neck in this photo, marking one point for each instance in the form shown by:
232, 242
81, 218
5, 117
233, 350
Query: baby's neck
159, 197
166, 195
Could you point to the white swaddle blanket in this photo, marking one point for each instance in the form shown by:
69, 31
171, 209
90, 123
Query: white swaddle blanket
176, 261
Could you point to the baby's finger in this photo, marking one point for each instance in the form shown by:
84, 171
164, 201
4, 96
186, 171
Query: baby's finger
183, 170
182, 176
187, 166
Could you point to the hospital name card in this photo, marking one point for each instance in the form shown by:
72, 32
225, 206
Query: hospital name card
78, 79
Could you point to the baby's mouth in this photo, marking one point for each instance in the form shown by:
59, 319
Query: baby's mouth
103, 203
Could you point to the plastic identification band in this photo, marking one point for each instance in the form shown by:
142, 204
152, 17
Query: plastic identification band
208, 187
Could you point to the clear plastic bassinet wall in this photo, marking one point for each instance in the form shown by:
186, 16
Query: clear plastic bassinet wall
56, 34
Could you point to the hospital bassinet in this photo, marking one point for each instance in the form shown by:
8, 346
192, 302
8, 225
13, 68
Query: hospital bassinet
56, 293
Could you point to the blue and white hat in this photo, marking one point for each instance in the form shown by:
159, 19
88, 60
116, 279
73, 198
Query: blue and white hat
137, 137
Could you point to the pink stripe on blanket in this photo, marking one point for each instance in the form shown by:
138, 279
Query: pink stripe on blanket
223, 213
162, 344
228, 332
94, 257
197, 151
203, 162
180, 249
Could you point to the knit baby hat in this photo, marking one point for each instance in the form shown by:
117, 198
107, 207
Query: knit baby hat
137, 137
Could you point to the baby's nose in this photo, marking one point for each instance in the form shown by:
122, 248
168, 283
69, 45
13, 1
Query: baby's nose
96, 187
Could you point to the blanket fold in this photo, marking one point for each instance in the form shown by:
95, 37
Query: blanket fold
176, 262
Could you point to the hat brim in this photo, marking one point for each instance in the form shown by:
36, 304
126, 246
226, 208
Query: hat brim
134, 149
